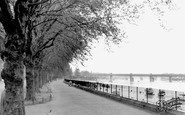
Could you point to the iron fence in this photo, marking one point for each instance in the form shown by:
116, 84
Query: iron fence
142, 94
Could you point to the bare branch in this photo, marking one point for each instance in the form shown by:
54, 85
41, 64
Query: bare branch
51, 39
21, 15
51, 12
48, 43
46, 29
38, 3
45, 21
6, 16
2, 47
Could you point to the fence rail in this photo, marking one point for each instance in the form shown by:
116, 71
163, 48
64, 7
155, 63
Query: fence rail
147, 95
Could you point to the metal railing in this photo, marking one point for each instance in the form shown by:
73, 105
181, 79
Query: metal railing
142, 94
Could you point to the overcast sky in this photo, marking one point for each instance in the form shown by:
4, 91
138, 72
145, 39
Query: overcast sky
149, 47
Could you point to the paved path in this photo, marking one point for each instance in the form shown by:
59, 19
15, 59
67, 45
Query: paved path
72, 101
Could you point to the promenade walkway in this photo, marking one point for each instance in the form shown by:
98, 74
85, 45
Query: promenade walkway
72, 101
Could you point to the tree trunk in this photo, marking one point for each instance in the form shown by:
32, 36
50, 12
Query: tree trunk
40, 78
13, 75
43, 77
30, 87
36, 80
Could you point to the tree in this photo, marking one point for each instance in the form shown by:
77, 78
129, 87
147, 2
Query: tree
77, 73
17, 25
62, 23
13, 55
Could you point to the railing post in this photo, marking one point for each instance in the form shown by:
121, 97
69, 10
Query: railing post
94, 86
128, 91
98, 87
137, 93
160, 96
107, 88
147, 95
116, 89
111, 89
121, 90
176, 99
103, 85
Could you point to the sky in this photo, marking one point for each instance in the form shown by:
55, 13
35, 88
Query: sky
149, 48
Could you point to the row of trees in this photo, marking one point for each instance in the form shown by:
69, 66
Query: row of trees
44, 36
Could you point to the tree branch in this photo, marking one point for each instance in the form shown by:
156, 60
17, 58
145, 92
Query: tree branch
45, 21
6, 16
38, 3
46, 29
21, 15
48, 12
48, 43
1, 43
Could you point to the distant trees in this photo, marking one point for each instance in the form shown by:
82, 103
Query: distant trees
77, 73
86, 73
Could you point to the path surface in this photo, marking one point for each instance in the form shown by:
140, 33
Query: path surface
72, 101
